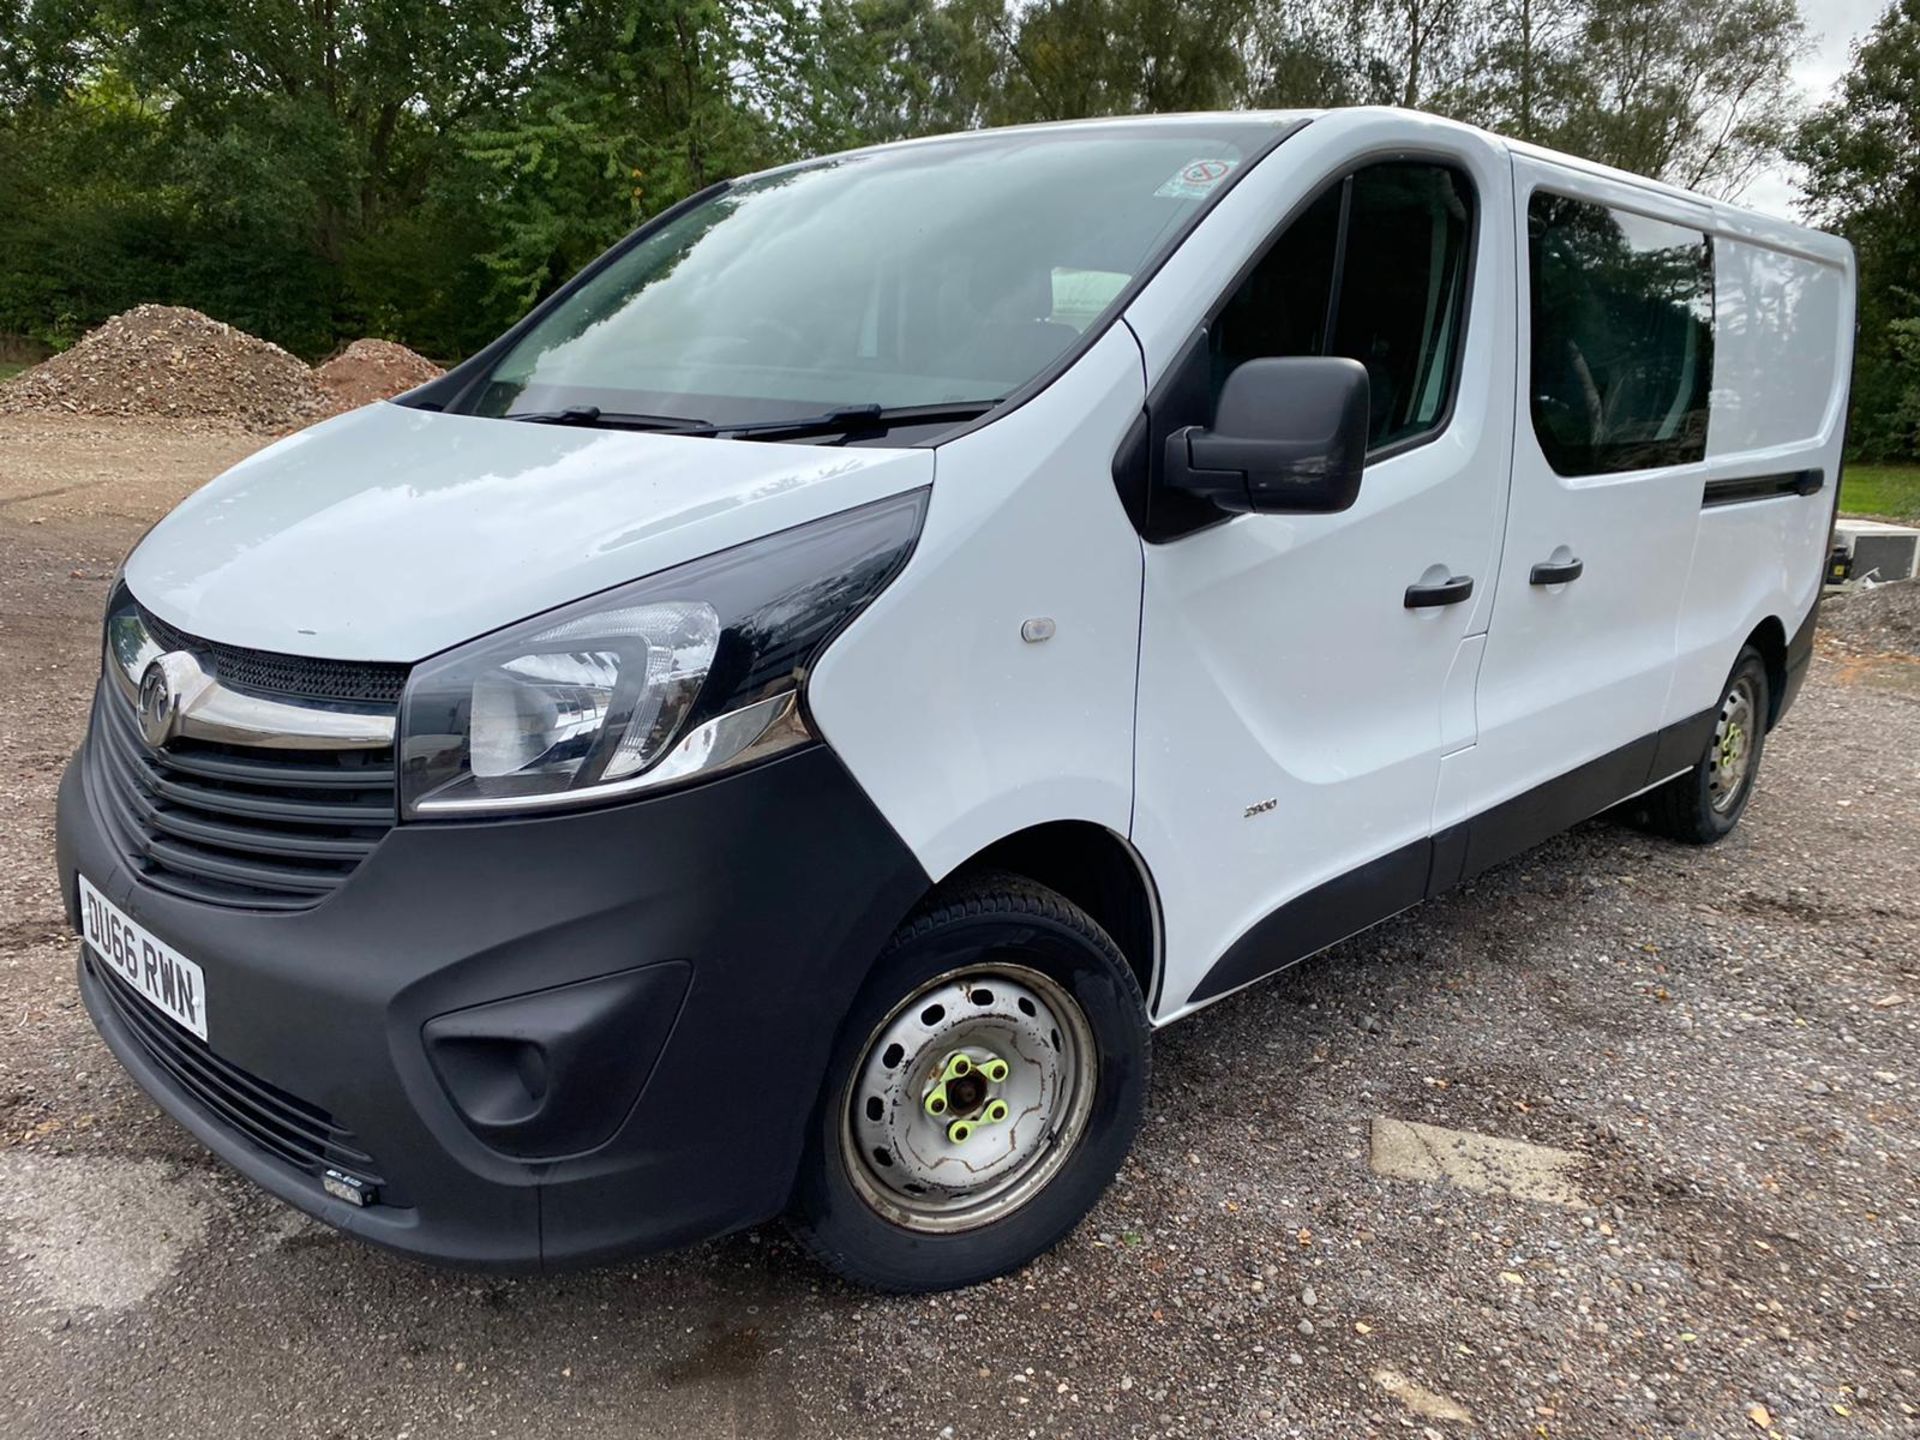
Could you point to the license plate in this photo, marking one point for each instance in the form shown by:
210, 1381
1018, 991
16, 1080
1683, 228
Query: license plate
158, 971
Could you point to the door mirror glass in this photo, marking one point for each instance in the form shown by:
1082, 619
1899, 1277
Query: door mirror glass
1289, 436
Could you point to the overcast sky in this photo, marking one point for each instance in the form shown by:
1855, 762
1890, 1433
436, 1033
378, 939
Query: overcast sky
1833, 26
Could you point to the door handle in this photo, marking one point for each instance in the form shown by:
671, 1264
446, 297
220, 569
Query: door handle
1447, 592
1549, 572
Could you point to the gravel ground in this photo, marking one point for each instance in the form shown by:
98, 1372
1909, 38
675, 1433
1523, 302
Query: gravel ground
1884, 620
1725, 1037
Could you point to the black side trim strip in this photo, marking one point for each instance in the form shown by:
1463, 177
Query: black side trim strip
1323, 916
1519, 824
1380, 889
1739, 489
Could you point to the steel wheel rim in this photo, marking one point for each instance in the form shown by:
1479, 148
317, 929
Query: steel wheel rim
1730, 759
930, 1182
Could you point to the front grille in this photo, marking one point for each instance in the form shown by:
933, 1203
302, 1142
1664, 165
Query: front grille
267, 672
252, 828
285, 1126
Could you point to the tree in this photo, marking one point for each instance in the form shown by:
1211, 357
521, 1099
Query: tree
1122, 57
1527, 66
1861, 152
638, 104
317, 169
1697, 94
895, 68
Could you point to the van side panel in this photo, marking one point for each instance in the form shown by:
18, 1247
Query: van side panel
1780, 329
960, 730
1783, 327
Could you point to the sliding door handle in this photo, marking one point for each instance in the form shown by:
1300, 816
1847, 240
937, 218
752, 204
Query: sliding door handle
1447, 592
1556, 572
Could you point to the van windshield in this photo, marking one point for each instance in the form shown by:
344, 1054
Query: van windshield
943, 274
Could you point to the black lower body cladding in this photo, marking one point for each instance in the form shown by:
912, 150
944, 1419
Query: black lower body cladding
713, 938
1799, 657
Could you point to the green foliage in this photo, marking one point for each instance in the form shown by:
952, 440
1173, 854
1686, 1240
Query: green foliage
1887, 492
424, 170
640, 104
1862, 155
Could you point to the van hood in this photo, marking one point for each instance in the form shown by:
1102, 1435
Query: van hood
391, 533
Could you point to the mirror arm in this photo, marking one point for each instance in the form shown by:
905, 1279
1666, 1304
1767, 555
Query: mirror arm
1227, 488
1231, 471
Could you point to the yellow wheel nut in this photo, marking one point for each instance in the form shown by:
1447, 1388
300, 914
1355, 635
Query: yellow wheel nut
996, 1111
995, 1070
958, 1131
937, 1100
957, 1066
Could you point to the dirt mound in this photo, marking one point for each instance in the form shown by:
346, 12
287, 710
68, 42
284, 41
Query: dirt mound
370, 370
172, 363
1883, 619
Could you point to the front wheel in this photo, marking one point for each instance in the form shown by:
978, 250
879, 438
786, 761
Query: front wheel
1705, 803
983, 1093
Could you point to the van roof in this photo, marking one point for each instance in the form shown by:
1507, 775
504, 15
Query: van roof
1722, 216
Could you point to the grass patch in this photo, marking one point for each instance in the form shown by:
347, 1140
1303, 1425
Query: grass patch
11, 368
1891, 492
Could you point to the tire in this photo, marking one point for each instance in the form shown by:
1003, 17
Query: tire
1698, 807
1020, 975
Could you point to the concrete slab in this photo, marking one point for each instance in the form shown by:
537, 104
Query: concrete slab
1884, 551
1481, 1164
98, 1233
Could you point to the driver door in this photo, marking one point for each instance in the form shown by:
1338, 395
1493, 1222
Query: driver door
1294, 705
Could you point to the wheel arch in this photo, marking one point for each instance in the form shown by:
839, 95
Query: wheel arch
1099, 871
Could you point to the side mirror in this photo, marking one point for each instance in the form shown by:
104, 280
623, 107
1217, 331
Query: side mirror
1289, 436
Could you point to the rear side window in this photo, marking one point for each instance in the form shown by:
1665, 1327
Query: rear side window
1622, 337
1375, 270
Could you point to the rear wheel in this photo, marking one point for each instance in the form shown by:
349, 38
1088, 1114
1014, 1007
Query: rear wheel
1705, 803
983, 1093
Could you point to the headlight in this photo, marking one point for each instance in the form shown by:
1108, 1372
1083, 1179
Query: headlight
680, 675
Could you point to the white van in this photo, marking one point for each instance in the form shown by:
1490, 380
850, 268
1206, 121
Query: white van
777, 731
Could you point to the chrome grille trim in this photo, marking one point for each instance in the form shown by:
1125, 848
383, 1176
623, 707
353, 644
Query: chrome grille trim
218, 712
260, 830
223, 793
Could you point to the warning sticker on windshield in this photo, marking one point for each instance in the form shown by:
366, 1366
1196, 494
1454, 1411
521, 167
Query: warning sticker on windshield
1196, 179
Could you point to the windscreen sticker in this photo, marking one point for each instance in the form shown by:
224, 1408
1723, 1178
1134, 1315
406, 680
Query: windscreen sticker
1196, 179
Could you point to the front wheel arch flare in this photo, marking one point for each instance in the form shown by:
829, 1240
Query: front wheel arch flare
1097, 870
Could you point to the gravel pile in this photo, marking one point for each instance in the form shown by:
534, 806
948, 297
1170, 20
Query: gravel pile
370, 370
1883, 619
165, 362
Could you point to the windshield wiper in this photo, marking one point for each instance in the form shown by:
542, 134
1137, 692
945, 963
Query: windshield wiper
592, 417
854, 420
843, 420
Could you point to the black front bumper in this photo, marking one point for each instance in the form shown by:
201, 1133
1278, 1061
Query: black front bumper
737, 919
